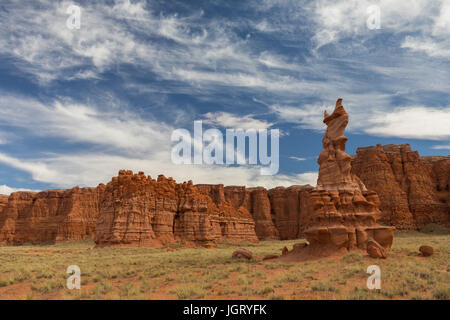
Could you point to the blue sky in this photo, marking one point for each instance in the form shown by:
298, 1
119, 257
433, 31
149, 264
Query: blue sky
78, 105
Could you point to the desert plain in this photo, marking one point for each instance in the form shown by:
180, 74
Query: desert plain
180, 272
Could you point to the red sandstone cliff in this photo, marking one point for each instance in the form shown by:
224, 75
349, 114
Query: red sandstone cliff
3, 202
289, 210
49, 216
413, 190
260, 208
138, 210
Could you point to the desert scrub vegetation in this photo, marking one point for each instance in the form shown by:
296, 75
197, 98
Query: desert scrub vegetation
324, 285
265, 291
177, 272
189, 292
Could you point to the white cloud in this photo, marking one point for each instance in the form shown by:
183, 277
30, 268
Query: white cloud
114, 127
348, 18
429, 46
5, 190
38, 169
441, 147
231, 121
274, 61
110, 33
123, 141
264, 26
297, 158
84, 75
442, 22
36, 35
308, 116
130, 10
415, 122
175, 29
428, 20
209, 55
434, 39
258, 80
91, 169
125, 33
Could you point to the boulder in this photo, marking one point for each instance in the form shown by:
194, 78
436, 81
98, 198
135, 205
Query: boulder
242, 254
375, 250
426, 250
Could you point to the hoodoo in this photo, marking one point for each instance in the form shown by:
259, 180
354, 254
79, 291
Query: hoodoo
341, 214
335, 164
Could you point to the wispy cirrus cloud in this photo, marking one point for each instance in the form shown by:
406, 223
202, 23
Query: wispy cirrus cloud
308, 116
441, 147
111, 127
421, 26
297, 158
431, 47
186, 48
336, 20
433, 40
231, 121
121, 140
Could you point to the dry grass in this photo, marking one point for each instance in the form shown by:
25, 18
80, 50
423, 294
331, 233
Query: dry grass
39, 272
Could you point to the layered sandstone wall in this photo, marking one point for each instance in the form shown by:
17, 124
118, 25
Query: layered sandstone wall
49, 216
3, 202
261, 210
279, 213
413, 190
289, 210
139, 210
136, 209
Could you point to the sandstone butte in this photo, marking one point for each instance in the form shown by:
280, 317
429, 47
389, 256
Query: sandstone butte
413, 190
136, 210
